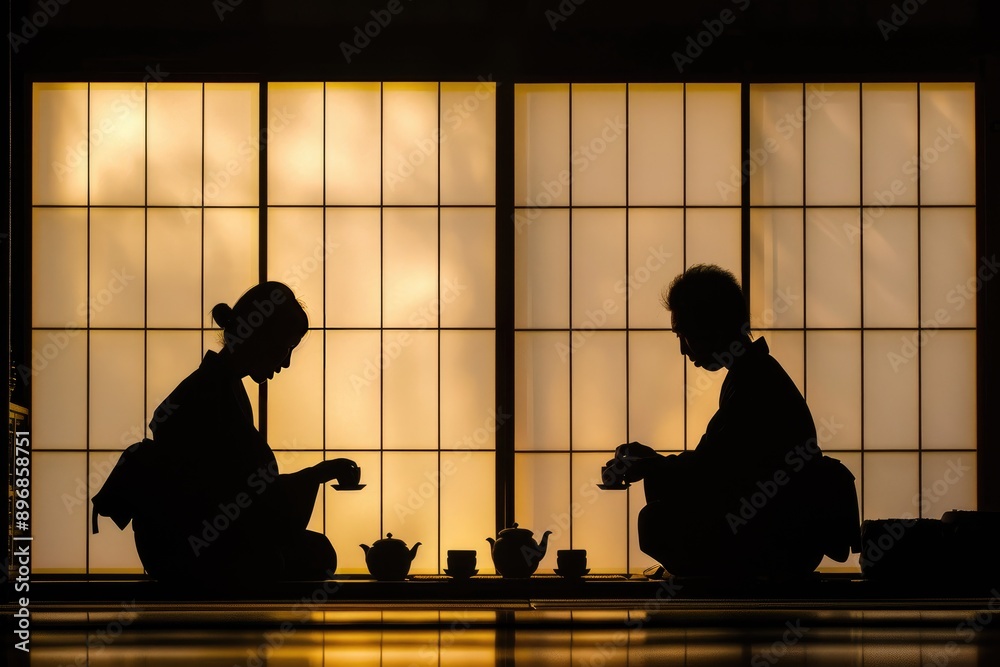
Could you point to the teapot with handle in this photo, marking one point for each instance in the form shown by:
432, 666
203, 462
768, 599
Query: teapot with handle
389, 559
515, 552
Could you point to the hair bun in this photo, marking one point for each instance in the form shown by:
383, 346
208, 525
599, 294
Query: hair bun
222, 314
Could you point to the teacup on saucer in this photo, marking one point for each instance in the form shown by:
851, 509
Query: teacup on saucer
461, 574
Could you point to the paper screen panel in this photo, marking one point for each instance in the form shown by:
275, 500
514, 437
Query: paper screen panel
60, 144
468, 497
111, 550
117, 408
230, 260
599, 390
295, 154
656, 389
713, 237
173, 266
353, 267
852, 461
598, 113
541, 272
173, 144
170, 357
117, 144
60, 512
468, 143
833, 268
888, 143
891, 400
833, 385
598, 268
410, 147
777, 139
59, 389
59, 268
541, 390
597, 517
948, 366
211, 339
232, 138
542, 498
468, 267
296, 253
354, 365
542, 145
776, 268
890, 259
469, 418
117, 267
410, 504
702, 389
656, 144
788, 347
947, 143
948, 266
354, 517
891, 485
655, 256
712, 150
295, 398
296, 460
410, 267
410, 389
353, 143
948, 482
833, 144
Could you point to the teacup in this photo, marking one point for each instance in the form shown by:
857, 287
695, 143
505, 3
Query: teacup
571, 561
350, 477
461, 562
613, 475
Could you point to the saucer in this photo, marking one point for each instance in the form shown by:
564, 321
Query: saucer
567, 575
462, 575
341, 487
617, 487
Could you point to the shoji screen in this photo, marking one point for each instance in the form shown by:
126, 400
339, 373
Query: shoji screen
144, 216
381, 208
864, 278
617, 189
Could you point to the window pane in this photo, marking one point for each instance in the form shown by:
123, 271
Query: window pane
295, 398
833, 145
713, 143
59, 389
410, 504
541, 390
777, 118
833, 385
60, 513
468, 414
117, 144
353, 265
833, 268
891, 483
948, 266
410, 267
468, 499
776, 268
410, 143
541, 140
598, 159
890, 269
410, 389
232, 142
598, 252
891, 398
947, 143
541, 272
296, 252
948, 389
598, 525
231, 258
353, 142
468, 267
354, 364
116, 387
656, 389
117, 267
600, 388
173, 263
295, 154
173, 138
889, 142
59, 268
60, 144
713, 237
656, 144
468, 143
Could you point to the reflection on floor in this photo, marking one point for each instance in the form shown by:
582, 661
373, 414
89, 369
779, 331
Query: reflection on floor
471, 638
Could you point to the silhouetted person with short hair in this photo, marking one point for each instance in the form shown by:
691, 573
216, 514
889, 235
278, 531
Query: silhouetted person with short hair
215, 507
756, 496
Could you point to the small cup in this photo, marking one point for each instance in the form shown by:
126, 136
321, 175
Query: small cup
350, 477
571, 561
612, 477
461, 562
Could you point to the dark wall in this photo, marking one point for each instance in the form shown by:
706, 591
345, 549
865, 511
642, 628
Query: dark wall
519, 40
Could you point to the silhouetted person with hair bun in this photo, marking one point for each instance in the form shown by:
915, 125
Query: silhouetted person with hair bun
218, 509
756, 496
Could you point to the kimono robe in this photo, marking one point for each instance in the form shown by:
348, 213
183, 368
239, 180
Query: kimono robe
756, 496
216, 507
